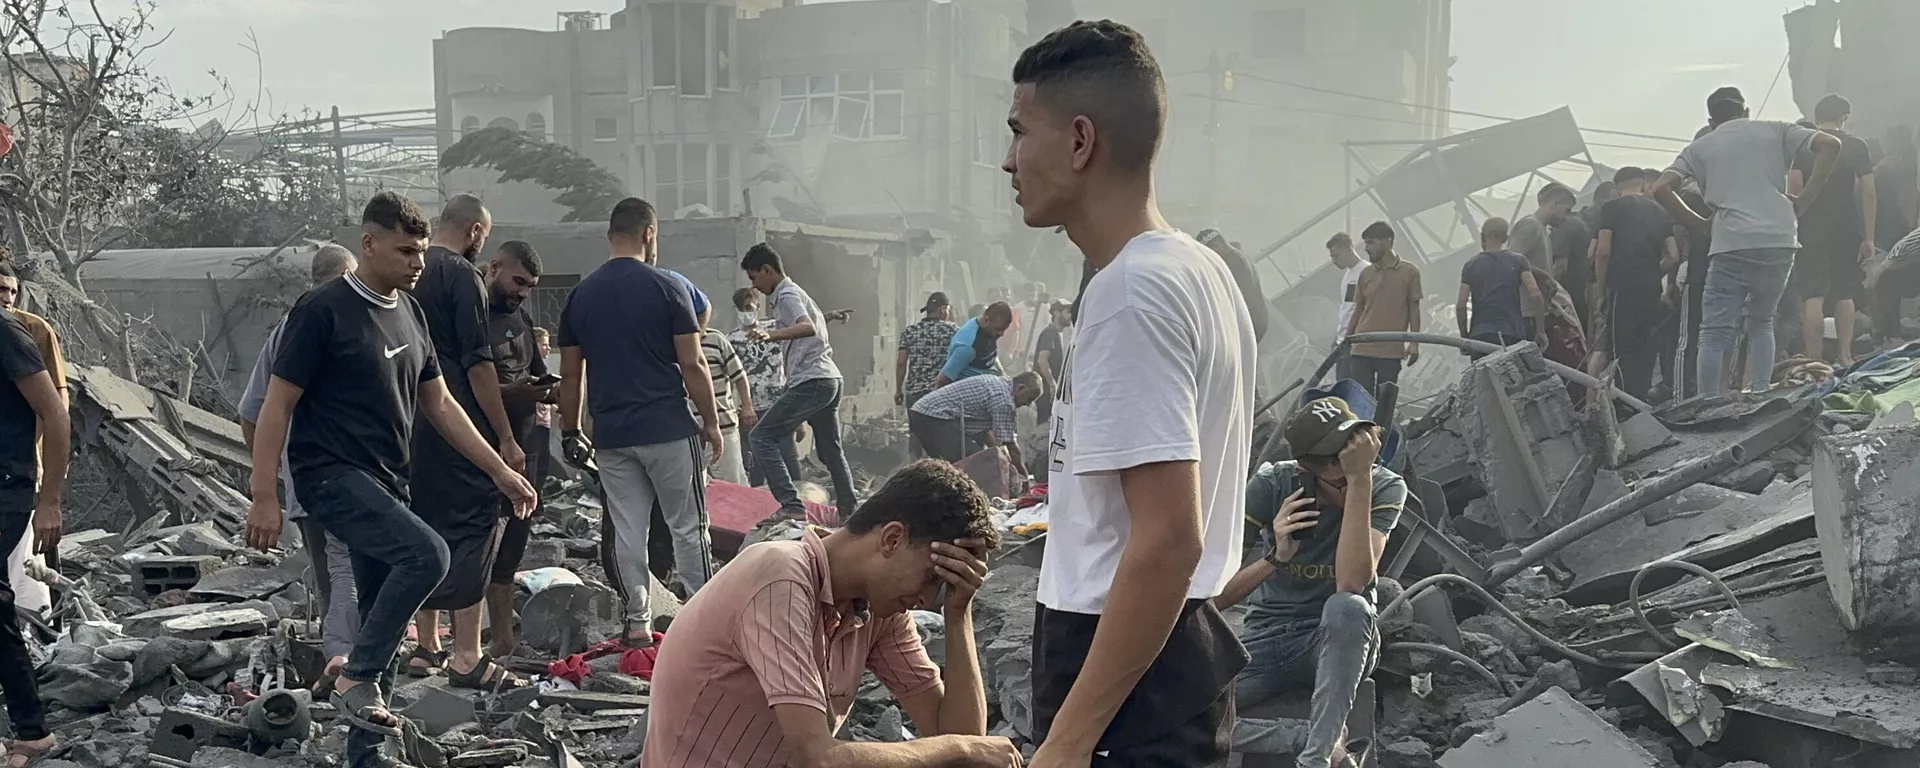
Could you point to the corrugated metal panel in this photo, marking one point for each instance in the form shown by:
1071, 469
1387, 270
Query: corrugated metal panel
181, 263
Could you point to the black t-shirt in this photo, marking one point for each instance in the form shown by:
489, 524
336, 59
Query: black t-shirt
1050, 342
19, 425
360, 358
1571, 240
454, 298
1833, 221
624, 318
516, 357
1699, 242
1640, 230
1493, 281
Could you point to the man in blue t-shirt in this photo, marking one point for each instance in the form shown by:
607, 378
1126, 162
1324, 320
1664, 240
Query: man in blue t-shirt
1323, 519
635, 324
975, 349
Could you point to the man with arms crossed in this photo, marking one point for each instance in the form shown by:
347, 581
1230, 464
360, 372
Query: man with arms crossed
355, 362
332, 566
762, 665
630, 342
1132, 663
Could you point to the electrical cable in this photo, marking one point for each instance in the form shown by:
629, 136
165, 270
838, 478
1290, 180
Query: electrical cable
1490, 601
1640, 613
1450, 653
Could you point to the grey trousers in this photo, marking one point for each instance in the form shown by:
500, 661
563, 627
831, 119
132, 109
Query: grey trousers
1331, 654
332, 577
675, 474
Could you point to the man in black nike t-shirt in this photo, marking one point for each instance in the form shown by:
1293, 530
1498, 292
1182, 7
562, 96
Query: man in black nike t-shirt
355, 361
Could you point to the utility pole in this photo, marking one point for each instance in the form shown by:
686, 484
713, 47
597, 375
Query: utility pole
340, 168
1220, 77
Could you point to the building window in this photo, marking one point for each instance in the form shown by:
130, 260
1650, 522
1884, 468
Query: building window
692, 173
854, 105
505, 122
469, 124
605, 129
990, 139
537, 125
1279, 33
692, 46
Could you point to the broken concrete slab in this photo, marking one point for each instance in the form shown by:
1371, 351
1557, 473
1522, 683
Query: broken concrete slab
438, 710
1730, 632
1642, 434
1552, 731
588, 701
73, 545
1777, 518
221, 624
1671, 686
153, 623
1864, 486
243, 583
1821, 698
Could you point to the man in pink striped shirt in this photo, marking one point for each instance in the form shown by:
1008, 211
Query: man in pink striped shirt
761, 667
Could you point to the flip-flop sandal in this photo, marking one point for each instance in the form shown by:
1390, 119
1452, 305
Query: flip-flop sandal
436, 661
485, 676
20, 753
357, 705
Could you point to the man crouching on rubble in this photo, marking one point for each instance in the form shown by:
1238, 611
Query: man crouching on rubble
761, 666
1324, 518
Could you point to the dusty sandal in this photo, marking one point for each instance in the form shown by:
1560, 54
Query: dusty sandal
21, 753
485, 676
435, 661
360, 704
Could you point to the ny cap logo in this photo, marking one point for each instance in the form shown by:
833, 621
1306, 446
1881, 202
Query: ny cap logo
1325, 410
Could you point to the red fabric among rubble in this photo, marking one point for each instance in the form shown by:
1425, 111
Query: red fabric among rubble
739, 508
637, 662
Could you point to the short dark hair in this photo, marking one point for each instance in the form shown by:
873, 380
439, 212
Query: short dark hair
1030, 379
1378, 230
1725, 104
1833, 107
631, 217
1103, 70
460, 212
1625, 175
394, 212
761, 256
998, 309
743, 298
1557, 192
522, 252
1651, 175
934, 500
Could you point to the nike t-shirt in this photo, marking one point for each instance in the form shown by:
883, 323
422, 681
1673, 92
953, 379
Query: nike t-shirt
1161, 369
360, 358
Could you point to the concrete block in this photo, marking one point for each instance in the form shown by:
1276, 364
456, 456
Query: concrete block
154, 623
439, 710
587, 701
490, 757
1866, 502
224, 624
1552, 731
72, 545
164, 573
1523, 435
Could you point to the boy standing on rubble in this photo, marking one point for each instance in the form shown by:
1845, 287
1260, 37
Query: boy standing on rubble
1322, 520
1151, 431
355, 362
32, 412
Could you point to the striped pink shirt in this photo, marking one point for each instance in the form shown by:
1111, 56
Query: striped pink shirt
765, 632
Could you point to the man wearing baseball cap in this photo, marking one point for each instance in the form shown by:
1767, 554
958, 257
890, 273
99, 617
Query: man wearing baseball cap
1323, 520
923, 349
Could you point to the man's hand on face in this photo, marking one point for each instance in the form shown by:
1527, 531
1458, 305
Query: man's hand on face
1362, 449
962, 565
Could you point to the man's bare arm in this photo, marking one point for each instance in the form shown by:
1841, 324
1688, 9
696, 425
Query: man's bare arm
1602, 260
451, 421
573, 385
801, 329
56, 434
1869, 191
1826, 153
1665, 191
1460, 310
276, 413
900, 374
1144, 603
485, 380
1243, 583
810, 744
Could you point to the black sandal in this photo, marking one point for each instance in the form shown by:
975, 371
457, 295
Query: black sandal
357, 705
436, 661
485, 676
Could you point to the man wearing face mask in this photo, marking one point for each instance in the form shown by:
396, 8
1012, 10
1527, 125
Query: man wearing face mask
1323, 520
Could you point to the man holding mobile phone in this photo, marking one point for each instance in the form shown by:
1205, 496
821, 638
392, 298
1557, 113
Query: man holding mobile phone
1323, 518
524, 384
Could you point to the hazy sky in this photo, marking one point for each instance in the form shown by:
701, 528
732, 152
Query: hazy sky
1635, 65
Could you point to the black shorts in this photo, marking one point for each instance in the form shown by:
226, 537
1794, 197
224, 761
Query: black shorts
1180, 713
513, 547
473, 531
1829, 270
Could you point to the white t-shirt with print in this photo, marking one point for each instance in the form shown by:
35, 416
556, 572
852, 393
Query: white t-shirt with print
1161, 369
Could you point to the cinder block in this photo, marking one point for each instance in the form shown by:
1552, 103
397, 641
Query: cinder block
1866, 502
165, 573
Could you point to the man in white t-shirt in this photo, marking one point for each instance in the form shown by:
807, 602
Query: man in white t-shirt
1151, 427
1340, 250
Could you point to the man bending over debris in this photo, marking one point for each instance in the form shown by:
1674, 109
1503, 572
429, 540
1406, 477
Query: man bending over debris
940, 421
1323, 518
761, 666
1131, 661
332, 567
29, 406
355, 360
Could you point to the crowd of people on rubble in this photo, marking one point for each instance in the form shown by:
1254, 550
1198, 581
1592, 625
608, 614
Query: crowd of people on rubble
1757, 225
405, 409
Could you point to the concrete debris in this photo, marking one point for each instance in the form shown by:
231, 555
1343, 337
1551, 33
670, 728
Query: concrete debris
1730, 632
1864, 486
1552, 731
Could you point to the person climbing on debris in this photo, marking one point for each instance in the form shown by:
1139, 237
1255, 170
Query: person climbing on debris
978, 409
766, 369
1491, 283
355, 365
32, 413
1151, 431
814, 385
332, 565
761, 666
1322, 520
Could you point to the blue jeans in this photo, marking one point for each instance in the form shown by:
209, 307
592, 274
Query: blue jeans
756, 465
397, 562
1741, 281
816, 403
1331, 654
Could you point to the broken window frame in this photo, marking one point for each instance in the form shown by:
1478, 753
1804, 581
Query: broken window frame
823, 102
692, 46
606, 129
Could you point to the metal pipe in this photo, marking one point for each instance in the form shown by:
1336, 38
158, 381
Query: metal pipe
1486, 598
1683, 476
1481, 347
1443, 651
